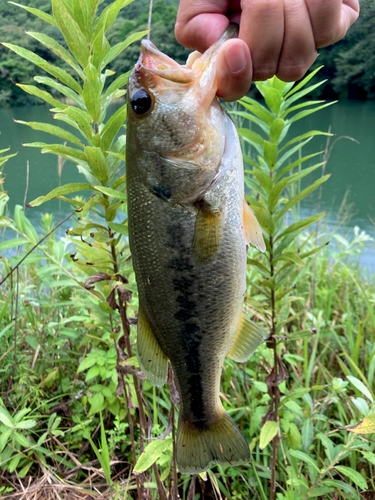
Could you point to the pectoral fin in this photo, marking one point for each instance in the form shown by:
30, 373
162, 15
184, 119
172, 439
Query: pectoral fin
208, 232
151, 358
253, 231
247, 340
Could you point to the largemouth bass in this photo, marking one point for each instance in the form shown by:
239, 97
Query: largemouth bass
188, 229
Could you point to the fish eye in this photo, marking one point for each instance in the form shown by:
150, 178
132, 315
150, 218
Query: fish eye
141, 102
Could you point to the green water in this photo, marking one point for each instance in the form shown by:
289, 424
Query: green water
352, 165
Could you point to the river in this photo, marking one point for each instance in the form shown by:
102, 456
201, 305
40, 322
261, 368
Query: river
351, 162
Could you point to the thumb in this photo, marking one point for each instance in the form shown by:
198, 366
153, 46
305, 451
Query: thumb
234, 70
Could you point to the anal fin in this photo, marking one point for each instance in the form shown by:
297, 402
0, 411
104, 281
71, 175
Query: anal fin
248, 338
253, 231
151, 358
208, 232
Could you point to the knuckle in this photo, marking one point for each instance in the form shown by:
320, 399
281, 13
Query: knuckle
264, 73
292, 72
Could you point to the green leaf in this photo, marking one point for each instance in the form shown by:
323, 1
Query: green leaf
58, 49
272, 98
320, 491
118, 48
91, 94
14, 463
5, 417
58, 149
302, 194
291, 152
97, 164
38, 13
352, 474
112, 127
305, 458
83, 16
275, 194
290, 257
264, 218
276, 129
268, 432
300, 106
66, 91
252, 118
152, 453
4, 437
100, 48
295, 164
109, 14
310, 134
361, 387
52, 129
15, 242
86, 363
308, 112
121, 81
83, 121
21, 439
270, 152
264, 180
252, 137
369, 456
26, 424
71, 32
21, 414
119, 228
301, 225
341, 486
258, 110
111, 192
22, 473
60, 191
307, 433
50, 68
42, 94
303, 82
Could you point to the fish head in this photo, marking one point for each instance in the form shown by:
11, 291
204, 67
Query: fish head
172, 108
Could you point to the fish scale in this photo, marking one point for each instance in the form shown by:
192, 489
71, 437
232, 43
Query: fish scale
187, 238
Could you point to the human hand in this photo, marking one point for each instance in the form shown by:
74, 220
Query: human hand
277, 37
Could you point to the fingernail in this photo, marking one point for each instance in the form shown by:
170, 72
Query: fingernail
236, 58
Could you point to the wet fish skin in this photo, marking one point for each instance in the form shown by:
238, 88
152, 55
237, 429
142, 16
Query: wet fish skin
186, 214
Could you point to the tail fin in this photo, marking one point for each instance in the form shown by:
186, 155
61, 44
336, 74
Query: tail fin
221, 443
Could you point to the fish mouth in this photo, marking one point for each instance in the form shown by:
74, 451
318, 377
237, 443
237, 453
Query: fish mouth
153, 62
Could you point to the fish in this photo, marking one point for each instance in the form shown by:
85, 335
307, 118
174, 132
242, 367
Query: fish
189, 227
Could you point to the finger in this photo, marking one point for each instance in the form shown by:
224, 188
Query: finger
331, 19
200, 24
262, 29
298, 52
234, 70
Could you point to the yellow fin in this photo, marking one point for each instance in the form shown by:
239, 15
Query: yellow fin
208, 232
253, 231
151, 358
221, 443
248, 338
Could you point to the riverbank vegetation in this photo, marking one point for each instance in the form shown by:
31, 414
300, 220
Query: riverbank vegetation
77, 417
349, 65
